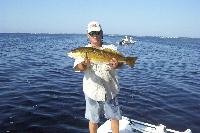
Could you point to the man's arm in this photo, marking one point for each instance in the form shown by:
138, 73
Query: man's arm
83, 65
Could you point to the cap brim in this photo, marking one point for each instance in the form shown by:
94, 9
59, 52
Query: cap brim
94, 29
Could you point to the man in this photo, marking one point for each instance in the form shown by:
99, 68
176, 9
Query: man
100, 84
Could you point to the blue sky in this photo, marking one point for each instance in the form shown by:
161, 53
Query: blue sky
136, 17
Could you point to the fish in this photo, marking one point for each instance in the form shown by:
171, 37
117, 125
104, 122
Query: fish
101, 55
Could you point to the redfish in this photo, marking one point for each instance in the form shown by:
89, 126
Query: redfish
101, 56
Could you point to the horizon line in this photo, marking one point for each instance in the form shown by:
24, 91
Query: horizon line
51, 33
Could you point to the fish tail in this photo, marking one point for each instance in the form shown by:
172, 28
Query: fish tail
130, 61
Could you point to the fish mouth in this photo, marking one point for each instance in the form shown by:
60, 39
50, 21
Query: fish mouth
70, 54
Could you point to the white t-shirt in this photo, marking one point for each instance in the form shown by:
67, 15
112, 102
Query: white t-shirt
100, 80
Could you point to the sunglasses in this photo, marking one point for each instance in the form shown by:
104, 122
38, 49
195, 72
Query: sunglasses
94, 33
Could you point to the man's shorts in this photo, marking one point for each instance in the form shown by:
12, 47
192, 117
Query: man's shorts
94, 109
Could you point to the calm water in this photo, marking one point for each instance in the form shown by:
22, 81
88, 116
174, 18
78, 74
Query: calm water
40, 92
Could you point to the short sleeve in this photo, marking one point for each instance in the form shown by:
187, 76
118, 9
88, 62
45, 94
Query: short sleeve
111, 47
76, 62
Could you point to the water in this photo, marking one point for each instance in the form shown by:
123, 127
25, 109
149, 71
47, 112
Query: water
40, 92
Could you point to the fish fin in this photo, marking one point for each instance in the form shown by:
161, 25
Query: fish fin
112, 51
86, 55
130, 61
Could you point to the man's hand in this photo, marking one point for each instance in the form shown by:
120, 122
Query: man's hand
83, 65
113, 63
86, 61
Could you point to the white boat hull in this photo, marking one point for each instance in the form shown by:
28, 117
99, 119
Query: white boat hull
133, 126
127, 40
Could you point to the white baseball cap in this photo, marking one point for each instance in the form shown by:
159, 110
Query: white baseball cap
93, 26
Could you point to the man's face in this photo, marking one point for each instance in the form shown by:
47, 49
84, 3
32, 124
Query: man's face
95, 37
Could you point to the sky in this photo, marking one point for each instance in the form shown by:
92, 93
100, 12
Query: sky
171, 18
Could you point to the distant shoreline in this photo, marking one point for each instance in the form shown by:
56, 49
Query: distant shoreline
162, 37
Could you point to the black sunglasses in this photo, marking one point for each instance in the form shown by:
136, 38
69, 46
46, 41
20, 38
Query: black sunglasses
95, 33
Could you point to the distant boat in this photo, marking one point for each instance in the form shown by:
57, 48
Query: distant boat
127, 40
127, 125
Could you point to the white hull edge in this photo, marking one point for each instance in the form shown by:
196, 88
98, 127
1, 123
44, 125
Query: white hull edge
127, 125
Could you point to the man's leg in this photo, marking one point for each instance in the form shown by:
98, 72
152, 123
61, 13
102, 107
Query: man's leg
115, 126
93, 127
